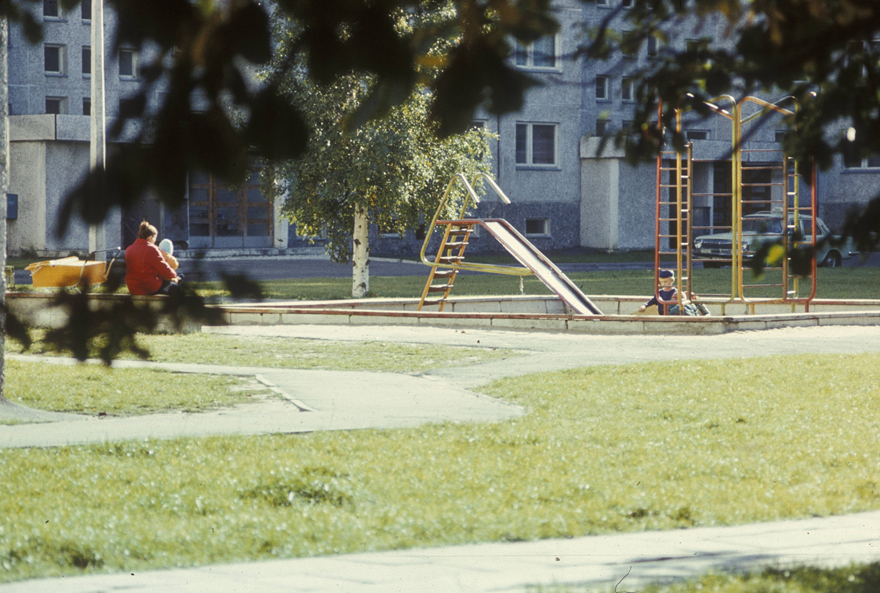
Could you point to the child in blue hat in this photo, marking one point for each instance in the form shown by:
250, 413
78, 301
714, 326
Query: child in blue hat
667, 292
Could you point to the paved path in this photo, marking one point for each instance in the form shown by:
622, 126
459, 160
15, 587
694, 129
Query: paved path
337, 400
311, 400
548, 351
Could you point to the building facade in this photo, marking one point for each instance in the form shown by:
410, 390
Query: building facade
565, 192
49, 127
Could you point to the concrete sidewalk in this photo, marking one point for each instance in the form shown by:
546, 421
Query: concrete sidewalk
597, 562
311, 400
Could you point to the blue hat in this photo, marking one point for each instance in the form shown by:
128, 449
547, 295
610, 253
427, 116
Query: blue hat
667, 274
167, 246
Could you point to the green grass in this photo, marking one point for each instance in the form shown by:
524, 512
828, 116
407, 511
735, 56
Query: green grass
602, 450
94, 389
837, 283
293, 353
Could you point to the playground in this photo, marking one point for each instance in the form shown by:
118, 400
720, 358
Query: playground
775, 221
769, 214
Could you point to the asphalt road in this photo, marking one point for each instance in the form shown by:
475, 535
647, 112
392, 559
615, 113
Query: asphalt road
277, 268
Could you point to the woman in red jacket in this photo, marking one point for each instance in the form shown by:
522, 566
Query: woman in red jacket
145, 269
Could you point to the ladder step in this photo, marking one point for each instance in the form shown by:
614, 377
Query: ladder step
439, 287
455, 244
451, 258
438, 273
430, 302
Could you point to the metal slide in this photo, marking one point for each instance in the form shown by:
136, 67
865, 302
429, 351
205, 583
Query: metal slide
450, 257
546, 271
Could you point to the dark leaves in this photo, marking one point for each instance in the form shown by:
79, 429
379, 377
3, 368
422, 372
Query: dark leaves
863, 225
114, 322
13, 12
476, 73
276, 126
17, 330
242, 287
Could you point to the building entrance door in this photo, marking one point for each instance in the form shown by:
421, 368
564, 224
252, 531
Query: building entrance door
222, 217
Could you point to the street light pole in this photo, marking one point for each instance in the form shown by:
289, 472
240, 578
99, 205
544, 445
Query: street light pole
97, 139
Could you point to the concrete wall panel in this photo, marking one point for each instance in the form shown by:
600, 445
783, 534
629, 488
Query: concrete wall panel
27, 179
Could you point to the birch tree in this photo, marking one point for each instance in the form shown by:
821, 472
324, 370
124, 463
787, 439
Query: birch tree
389, 171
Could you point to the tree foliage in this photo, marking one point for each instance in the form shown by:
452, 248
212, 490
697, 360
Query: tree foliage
823, 53
394, 168
203, 52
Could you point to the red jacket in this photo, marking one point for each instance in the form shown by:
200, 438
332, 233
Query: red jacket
145, 268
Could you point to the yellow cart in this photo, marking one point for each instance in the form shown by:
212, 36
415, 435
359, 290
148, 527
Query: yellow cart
70, 271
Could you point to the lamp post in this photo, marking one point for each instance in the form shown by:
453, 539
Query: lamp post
97, 139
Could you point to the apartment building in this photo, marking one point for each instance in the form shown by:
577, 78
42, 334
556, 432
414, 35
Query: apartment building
565, 193
49, 125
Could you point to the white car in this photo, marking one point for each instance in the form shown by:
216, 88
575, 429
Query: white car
762, 227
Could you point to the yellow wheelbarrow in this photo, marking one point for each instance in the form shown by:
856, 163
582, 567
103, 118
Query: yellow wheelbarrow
71, 271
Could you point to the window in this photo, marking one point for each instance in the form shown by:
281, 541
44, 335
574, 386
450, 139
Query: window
653, 46
86, 10
602, 88
602, 3
228, 217
780, 135
536, 144
50, 8
129, 108
539, 54
627, 89
696, 134
53, 56
56, 105
601, 127
86, 60
87, 106
626, 3
854, 162
538, 227
627, 49
127, 63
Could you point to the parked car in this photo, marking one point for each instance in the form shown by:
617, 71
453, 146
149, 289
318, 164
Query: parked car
762, 227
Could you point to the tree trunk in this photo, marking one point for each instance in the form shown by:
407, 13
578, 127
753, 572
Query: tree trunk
4, 188
360, 254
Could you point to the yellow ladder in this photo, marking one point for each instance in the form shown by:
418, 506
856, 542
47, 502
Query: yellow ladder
451, 253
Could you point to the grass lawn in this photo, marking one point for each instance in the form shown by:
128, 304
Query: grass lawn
94, 389
857, 282
293, 353
602, 450
854, 282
